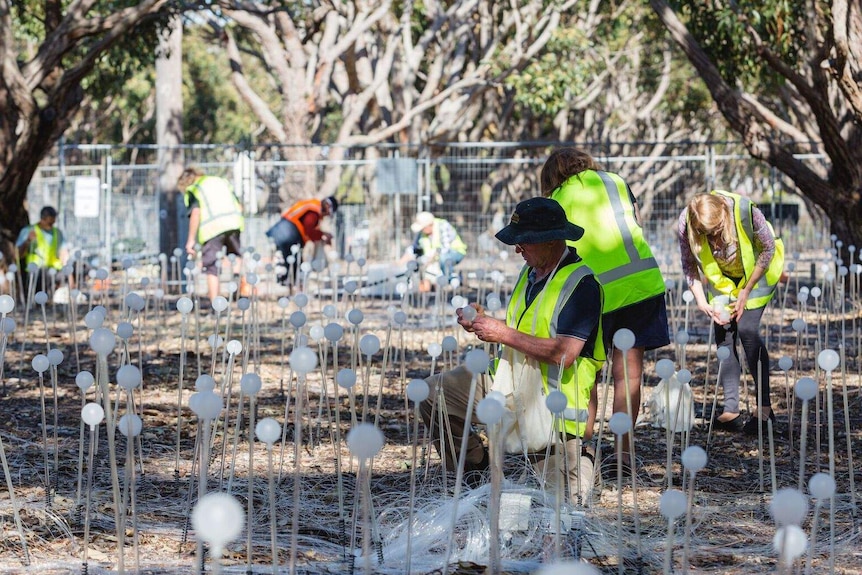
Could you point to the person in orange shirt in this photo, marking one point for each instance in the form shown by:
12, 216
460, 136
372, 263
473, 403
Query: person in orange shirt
300, 224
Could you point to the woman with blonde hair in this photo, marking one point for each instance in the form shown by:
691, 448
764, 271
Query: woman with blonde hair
732, 262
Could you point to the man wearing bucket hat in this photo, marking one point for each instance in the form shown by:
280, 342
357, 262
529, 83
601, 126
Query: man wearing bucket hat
437, 245
551, 337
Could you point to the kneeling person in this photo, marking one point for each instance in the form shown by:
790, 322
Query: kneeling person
552, 321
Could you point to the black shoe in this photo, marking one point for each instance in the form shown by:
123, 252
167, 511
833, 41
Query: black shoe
734, 425
751, 426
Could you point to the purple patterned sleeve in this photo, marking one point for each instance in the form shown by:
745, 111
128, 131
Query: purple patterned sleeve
764, 242
689, 262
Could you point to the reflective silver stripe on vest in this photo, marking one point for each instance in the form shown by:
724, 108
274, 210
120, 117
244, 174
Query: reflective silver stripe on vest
578, 415
761, 288
636, 264
565, 293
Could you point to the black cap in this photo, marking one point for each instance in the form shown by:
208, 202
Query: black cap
539, 220
48, 212
333, 203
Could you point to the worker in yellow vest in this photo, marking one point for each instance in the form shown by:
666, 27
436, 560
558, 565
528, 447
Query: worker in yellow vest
733, 261
615, 249
437, 246
41, 244
215, 222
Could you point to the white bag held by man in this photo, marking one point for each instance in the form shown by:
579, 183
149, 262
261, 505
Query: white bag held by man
519, 379
672, 405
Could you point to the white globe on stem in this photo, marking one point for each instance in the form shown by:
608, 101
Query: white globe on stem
135, 302
129, 377
234, 347
301, 300
333, 332
297, 319
828, 359
722, 353
84, 380
556, 402
449, 344
316, 332
250, 383
206, 405
369, 344
490, 411
399, 317
268, 430
805, 388
624, 339
303, 360
365, 441
7, 326
283, 302
125, 330
40, 363
93, 414
672, 504
417, 390
243, 304
821, 486
130, 425
620, 423
493, 304
350, 286
687, 296
681, 337
355, 316
205, 382
184, 305
219, 304
788, 507
7, 303
329, 311
790, 542
458, 301
683, 376
694, 458
93, 319
41, 298
785, 363
435, 349
346, 378
218, 519
664, 368
215, 341
477, 361
55, 356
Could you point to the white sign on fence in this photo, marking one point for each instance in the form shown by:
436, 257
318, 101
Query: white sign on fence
87, 194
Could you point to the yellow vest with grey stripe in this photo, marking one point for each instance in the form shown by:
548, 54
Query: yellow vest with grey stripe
45, 253
430, 244
220, 210
719, 284
613, 244
540, 320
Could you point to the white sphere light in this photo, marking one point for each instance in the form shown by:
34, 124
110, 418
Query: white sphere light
468, 313
130, 425
333, 332
219, 303
722, 353
490, 411
184, 305
788, 507
401, 288
624, 339
7, 326
687, 296
135, 302
350, 286
205, 382
297, 319
267, 430
399, 317
785, 363
828, 359
681, 337
218, 519
790, 542
435, 349
672, 504
207, 404
664, 368
84, 380
129, 377
694, 458
303, 360
316, 332
7, 303
329, 311
805, 388
620, 423
243, 304
93, 319
234, 347
355, 316
458, 301
369, 344
477, 361
556, 402
449, 344
346, 378
493, 303
365, 441
417, 390
125, 330
301, 300
821, 486
497, 396
92, 414
250, 383
683, 376
40, 363
215, 341
41, 298
55, 356
283, 302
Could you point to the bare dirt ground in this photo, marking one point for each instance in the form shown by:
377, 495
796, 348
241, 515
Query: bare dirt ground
731, 530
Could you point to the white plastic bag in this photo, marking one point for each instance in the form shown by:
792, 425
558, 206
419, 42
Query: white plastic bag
672, 405
520, 380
